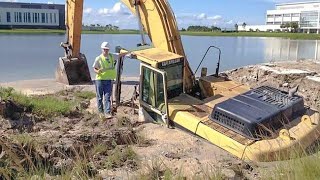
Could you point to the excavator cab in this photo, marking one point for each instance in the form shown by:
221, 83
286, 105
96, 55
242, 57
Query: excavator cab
161, 79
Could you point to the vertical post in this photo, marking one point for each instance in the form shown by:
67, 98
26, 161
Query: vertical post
118, 79
316, 51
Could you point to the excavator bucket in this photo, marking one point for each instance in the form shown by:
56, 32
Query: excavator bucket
73, 71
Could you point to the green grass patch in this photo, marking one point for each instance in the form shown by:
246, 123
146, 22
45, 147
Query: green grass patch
188, 33
254, 34
45, 106
85, 94
307, 168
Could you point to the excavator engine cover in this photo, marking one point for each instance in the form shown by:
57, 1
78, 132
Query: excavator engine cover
73, 71
259, 112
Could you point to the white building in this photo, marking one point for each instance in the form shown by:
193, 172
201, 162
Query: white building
306, 14
31, 15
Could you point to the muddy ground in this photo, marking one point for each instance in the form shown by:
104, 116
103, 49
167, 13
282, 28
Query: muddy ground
124, 148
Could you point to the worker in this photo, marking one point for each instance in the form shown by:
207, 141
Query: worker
104, 67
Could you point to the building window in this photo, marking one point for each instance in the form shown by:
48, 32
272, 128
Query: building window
46, 17
8, 17
269, 16
0, 17
29, 17
278, 15
277, 23
55, 18
50, 17
286, 15
309, 19
269, 22
295, 15
43, 17
39, 20
20, 16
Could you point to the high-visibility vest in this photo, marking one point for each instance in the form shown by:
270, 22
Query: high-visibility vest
108, 68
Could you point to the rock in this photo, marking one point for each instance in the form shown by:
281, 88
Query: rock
228, 173
84, 104
285, 85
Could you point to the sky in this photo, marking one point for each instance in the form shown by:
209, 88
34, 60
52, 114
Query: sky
220, 13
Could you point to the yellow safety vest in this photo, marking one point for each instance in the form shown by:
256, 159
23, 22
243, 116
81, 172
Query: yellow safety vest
108, 68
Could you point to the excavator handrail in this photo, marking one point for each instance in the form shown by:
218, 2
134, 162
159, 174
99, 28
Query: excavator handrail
218, 64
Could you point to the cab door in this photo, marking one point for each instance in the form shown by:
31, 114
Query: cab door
153, 92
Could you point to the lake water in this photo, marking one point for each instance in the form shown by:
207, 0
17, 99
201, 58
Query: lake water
36, 56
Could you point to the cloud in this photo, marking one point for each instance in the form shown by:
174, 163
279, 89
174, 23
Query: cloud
117, 9
202, 16
9, 1
216, 17
87, 10
118, 15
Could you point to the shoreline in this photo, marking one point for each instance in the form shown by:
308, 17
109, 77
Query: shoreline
294, 36
51, 86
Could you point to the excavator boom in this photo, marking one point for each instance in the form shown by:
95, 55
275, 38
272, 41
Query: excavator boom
158, 22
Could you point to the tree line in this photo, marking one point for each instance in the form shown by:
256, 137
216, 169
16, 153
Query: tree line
99, 27
202, 28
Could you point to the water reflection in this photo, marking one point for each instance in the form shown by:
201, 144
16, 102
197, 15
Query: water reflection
285, 49
36, 56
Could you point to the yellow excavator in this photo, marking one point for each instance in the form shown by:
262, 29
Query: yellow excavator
261, 124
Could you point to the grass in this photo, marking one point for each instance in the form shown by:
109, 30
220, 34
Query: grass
254, 34
302, 167
120, 157
45, 106
188, 33
84, 95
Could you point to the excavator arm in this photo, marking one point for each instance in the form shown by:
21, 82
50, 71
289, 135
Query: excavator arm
158, 22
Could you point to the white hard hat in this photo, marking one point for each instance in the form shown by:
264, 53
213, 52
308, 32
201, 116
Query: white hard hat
105, 45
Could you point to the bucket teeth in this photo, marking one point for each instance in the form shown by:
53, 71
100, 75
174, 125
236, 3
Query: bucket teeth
73, 71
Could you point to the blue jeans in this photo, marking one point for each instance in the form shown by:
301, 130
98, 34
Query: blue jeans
103, 91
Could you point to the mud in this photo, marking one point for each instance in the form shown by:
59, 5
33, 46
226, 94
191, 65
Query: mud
83, 139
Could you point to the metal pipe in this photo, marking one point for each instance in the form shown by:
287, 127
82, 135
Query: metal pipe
218, 64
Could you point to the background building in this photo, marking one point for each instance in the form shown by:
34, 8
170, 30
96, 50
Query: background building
305, 14
32, 15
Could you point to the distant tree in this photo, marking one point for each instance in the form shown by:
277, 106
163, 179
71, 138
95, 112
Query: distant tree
282, 25
244, 25
183, 29
98, 25
236, 27
115, 28
294, 26
214, 28
257, 30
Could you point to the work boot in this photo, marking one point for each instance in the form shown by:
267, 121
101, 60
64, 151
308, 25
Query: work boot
107, 116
